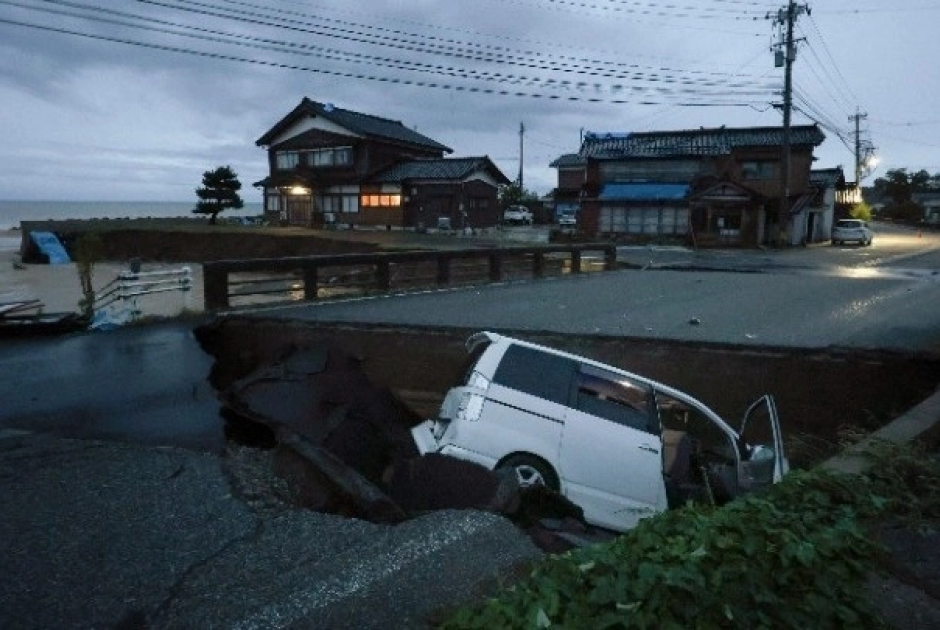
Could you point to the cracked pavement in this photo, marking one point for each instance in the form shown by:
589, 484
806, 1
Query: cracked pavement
100, 534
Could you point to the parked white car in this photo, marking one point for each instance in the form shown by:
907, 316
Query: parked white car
621, 446
851, 231
517, 215
567, 219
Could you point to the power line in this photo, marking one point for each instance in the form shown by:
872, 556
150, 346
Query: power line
662, 86
360, 76
362, 33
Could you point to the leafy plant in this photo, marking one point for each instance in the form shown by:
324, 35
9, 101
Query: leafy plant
860, 211
87, 253
796, 555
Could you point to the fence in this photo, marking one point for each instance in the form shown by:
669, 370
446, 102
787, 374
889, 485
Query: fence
119, 301
233, 283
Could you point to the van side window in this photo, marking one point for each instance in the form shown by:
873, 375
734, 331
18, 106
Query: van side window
615, 398
535, 372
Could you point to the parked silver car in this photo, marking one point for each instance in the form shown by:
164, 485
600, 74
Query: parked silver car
851, 230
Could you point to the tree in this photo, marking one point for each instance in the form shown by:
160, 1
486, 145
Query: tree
861, 211
219, 192
900, 186
514, 195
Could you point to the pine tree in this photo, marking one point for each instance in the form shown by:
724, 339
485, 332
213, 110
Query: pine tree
219, 192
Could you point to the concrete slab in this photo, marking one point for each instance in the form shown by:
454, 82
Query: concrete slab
920, 423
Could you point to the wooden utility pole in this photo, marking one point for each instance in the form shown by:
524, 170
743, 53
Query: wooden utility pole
521, 134
786, 17
858, 117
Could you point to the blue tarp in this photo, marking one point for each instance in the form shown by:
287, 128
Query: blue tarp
48, 243
644, 192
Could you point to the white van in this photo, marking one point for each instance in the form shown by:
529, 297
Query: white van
621, 446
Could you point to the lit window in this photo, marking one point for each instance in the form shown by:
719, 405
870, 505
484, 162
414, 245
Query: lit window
381, 201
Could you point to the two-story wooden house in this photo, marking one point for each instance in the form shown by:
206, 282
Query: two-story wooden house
707, 186
335, 166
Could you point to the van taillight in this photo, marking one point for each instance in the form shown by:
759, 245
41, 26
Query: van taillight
478, 381
470, 407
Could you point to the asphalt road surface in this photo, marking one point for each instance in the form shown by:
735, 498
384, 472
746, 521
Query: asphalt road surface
883, 296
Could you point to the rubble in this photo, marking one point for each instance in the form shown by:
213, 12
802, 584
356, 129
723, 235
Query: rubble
342, 445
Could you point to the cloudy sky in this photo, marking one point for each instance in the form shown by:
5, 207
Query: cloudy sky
133, 100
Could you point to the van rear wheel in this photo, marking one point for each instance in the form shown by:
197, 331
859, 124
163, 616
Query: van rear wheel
531, 471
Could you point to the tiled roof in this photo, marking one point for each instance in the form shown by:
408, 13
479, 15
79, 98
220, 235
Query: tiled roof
827, 176
692, 142
357, 122
442, 169
568, 160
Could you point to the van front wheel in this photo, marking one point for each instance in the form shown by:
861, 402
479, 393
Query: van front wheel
531, 471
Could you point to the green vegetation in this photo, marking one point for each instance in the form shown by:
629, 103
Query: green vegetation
899, 187
796, 555
219, 192
861, 211
87, 253
515, 195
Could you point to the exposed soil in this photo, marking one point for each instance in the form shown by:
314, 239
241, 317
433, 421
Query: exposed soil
818, 392
196, 243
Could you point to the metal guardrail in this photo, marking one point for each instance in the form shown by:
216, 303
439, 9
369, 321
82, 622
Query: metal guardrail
263, 280
129, 287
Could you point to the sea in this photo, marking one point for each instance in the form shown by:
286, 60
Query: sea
12, 212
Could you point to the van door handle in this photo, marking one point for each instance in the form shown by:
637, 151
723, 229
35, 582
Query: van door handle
647, 447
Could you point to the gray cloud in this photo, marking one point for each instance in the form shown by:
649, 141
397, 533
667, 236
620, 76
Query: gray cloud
114, 111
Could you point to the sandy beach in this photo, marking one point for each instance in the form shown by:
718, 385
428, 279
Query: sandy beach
58, 288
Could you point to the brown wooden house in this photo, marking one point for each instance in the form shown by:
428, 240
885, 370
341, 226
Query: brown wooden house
332, 166
707, 186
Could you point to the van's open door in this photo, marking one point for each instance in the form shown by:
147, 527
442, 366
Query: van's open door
763, 461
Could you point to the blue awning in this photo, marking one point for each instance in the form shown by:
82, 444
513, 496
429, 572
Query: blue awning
643, 192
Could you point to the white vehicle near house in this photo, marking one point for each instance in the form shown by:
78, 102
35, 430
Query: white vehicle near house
567, 219
621, 446
517, 215
852, 230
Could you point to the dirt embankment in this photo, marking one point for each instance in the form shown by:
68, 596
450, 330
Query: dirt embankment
818, 392
122, 241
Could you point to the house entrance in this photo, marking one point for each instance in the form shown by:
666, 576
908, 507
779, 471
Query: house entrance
299, 209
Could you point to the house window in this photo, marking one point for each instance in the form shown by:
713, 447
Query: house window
639, 220
342, 156
478, 204
759, 169
727, 224
340, 203
287, 159
273, 203
380, 201
334, 156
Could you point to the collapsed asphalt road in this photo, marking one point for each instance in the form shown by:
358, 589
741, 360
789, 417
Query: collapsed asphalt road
95, 532
343, 444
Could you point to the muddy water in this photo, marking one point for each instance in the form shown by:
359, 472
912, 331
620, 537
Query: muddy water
818, 392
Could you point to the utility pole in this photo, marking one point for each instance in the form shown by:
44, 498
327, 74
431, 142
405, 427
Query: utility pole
521, 134
786, 18
858, 117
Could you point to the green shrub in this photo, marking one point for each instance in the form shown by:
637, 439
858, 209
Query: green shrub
796, 555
